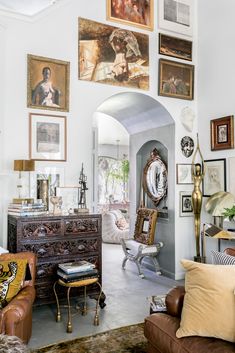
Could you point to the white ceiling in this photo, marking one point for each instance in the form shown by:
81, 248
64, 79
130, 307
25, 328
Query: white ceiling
26, 7
110, 130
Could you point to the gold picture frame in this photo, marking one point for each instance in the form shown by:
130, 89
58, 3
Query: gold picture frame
48, 83
137, 14
222, 133
176, 47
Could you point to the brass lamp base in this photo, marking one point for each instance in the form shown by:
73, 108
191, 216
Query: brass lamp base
23, 200
201, 259
81, 210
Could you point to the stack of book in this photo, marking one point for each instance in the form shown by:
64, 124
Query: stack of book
34, 209
76, 271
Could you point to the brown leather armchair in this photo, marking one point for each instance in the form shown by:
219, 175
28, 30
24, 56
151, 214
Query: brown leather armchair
16, 317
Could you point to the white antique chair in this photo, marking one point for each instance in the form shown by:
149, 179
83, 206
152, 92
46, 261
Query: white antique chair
142, 245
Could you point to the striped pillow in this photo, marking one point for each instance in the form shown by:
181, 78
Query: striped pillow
220, 258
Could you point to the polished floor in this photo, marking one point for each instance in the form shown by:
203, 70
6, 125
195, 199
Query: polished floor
126, 302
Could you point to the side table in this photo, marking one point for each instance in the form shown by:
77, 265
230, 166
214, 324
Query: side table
82, 283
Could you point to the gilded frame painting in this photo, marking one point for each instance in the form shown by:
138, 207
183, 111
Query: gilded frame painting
112, 55
134, 13
222, 133
48, 83
175, 47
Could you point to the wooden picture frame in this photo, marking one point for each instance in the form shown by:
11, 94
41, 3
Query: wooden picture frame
176, 16
186, 204
222, 133
134, 14
47, 137
214, 176
184, 173
176, 80
48, 83
175, 47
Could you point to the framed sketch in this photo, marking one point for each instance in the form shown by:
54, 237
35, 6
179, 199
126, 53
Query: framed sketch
48, 83
215, 176
231, 174
113, 55
176, 79
70, 195
184, 174
175, 47
132, 12
222, 133
47, 137
176, 16
186, 205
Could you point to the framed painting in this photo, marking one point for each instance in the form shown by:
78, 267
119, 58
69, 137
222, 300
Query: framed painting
215, 176
48, 83
70, 197
131, 12
175, 47
186, 205
231, 171
113, 55
176, 79
47, 137
184, 174
222, 133
176, 16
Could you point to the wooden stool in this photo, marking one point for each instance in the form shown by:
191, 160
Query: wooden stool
69, 285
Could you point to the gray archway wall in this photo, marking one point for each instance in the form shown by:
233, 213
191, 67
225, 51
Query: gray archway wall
149, 125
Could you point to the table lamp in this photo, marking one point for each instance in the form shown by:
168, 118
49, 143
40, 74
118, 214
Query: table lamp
22, 165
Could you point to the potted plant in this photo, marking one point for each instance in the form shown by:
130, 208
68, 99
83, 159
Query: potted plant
229, 213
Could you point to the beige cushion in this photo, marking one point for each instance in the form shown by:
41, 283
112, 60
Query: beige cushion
209, 302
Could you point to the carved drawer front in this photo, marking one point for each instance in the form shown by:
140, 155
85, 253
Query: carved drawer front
41, 229
83, 225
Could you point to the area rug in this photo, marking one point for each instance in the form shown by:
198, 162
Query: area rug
128, 339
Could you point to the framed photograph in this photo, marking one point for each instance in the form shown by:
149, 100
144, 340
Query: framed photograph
176, 16
215, 176
47, 137
231, 174
48, 83
112, 55
132, 12
176, 79
70, 197
186, 205
222, 133
175, 47
184, 174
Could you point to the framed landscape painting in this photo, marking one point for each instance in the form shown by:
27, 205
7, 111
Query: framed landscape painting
48, 83
222, 133
175, 47
113, 55
135, 13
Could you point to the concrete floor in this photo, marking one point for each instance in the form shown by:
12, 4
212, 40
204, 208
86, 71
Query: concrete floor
126, 302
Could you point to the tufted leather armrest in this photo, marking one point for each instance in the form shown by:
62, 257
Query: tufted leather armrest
174, 301
230, 251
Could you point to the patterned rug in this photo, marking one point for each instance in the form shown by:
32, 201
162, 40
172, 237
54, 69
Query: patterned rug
128, 339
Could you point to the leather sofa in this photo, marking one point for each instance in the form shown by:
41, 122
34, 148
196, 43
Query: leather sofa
16, 317
160, 329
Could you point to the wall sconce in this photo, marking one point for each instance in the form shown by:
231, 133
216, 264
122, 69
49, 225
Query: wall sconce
22, 165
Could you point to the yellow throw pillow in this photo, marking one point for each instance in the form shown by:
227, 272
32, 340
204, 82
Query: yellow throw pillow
209, 302
12, 274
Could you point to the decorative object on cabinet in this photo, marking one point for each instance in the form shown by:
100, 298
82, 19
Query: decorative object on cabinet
176, 79
56, 202
47, 137
69, 195
186, 205
131, 13
176, 16
57, 239
48, 83
175, 47
184, 174
155, 177
222, 133
215, 176
187, 146
43, 192
187, 117
113, 55
22, 165
82, 207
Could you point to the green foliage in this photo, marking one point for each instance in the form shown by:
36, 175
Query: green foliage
229, 212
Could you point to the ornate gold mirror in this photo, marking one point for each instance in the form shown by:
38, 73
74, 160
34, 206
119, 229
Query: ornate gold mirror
155, 177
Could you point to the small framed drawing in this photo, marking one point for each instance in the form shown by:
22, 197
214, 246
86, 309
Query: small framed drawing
48, 83
184, 174
176, 79
222, 133
215, 176
176, 16
69, 197
138, 14
175, 47
231, 171
186, 206
47, 137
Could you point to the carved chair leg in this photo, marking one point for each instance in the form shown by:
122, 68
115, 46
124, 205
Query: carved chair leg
136, 261
124, 262
156, 265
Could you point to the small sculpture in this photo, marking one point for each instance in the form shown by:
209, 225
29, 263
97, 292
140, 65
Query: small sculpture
56, 202
82, 207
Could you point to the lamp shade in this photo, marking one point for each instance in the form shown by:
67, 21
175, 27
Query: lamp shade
217, 202
24, 165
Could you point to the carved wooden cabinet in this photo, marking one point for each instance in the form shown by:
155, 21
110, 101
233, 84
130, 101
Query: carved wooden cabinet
57, 239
